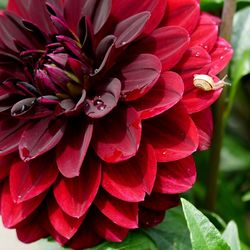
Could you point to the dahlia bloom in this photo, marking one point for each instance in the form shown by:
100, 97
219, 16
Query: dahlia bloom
99, 116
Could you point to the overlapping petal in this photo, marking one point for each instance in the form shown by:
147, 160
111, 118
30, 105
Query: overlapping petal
99, 113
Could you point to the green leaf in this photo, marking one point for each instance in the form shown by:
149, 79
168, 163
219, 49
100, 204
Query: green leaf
172, 233
240, 65
3, 3
246, 197
241, 29
231, 236
234, 156
203, 233
135, 240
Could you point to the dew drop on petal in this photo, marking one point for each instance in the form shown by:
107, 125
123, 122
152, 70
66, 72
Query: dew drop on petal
98, 102
197, 54
101, 107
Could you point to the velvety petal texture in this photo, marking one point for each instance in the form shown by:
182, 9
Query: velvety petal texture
99, 114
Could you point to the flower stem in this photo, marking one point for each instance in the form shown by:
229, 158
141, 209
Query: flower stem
219, 115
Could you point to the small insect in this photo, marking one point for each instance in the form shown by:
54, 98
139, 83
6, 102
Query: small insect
206, 82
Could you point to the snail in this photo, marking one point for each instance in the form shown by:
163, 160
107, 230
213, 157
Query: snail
206, 82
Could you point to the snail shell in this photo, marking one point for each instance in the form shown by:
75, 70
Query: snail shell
206, 82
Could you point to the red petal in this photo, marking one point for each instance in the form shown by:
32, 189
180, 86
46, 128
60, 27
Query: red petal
75, 195
175, 177
161, 202
184, 13
124, 9
204, 122
167, 43
64, 224
107, 229
72, 149
10, 133
206, 33
31, 232
150, 218
195, 58
220, 55
28, 180
172, 134
5, 164
139, 75
44, 221
117, 136
127, 182
165, 93
122, 213
197, 100
146, 162
40, 137
90, 238
13, 213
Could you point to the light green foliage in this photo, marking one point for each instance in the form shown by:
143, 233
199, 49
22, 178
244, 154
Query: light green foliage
231, 236
203, 233
136, 240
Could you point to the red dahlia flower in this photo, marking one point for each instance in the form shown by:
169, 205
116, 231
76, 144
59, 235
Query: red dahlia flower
99, 114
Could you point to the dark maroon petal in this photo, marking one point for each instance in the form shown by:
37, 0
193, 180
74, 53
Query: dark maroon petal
10, 133
75, 195
34, 11
150, 218
107, 229
10, 25
161, 202
64, 224
117, 136
72, 149
97, 11
184, 13
107, 98
129, 29
29, 108
13, 213
31, 232
167, 43
124, 9
139, 75
204, 123
124, 214
206, 33
102, 11
90, 238
40, 137
28, 180
165, 93
105, 54
172, 134
44, 83
220, 55
175, 177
